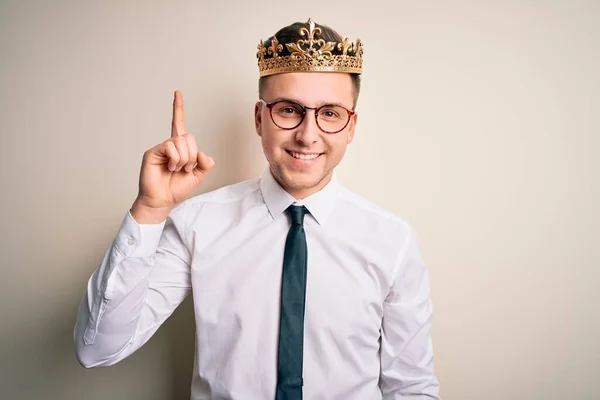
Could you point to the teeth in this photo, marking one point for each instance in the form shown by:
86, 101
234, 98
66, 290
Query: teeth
304, 156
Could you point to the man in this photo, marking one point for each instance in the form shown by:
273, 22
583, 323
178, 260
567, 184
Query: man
301, 288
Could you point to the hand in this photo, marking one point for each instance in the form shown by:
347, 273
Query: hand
170, 171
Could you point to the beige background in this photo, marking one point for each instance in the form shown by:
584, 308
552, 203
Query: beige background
478, 123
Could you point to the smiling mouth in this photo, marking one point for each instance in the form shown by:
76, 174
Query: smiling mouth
302, 156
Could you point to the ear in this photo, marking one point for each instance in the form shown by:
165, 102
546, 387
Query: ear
258, 117
351, 127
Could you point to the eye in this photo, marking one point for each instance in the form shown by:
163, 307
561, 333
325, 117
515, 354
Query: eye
288, 110
329, 113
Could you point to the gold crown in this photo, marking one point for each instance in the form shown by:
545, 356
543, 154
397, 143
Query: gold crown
310, 55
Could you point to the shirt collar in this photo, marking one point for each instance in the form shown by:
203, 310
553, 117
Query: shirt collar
319, 204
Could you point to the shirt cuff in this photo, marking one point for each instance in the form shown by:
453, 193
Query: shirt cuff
138, 240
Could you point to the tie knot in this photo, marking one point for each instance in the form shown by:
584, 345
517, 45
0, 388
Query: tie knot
296, 214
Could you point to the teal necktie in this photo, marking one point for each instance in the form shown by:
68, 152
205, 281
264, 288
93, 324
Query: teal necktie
293, 294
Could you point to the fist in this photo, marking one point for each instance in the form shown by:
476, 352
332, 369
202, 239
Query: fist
170, 171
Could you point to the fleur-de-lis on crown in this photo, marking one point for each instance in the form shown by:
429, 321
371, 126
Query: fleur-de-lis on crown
260, 54
275, 47
357, 49
344, 46
321, 51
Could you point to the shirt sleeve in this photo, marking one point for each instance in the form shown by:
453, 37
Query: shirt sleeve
143, 277
407, 368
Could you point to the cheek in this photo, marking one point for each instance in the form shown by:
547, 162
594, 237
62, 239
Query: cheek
271, 140
338, 145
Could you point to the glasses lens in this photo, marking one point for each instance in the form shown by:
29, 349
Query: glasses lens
286, 114
332, 118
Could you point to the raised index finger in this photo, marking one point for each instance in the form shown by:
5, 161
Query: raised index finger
178, 124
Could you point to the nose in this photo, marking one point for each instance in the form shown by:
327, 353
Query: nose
308, 132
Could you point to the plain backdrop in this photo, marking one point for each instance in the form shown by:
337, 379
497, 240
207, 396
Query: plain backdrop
479, 123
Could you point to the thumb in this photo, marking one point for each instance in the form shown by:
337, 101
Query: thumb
204, 165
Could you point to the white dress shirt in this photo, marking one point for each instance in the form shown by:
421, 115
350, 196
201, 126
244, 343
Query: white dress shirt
368, 312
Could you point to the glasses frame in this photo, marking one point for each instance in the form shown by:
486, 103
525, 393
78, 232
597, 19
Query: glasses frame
304, 108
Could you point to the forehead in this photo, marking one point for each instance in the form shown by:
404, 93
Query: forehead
310, 88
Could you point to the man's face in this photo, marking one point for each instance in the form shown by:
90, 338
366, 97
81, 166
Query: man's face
300, 176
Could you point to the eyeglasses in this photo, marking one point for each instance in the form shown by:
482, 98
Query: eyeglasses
287, 114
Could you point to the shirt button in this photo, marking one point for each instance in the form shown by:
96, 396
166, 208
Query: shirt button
131, 241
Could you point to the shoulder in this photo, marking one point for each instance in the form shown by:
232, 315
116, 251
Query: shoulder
353, 205
224, 197
373, 226
227, 194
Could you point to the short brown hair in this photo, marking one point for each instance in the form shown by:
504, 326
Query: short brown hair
290, 34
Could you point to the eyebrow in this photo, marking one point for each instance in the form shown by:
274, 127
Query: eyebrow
319, 104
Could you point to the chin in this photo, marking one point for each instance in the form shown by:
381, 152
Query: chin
303, 184
293, 180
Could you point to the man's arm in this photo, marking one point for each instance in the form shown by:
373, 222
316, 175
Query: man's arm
407, 369
145, 274
143, 277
